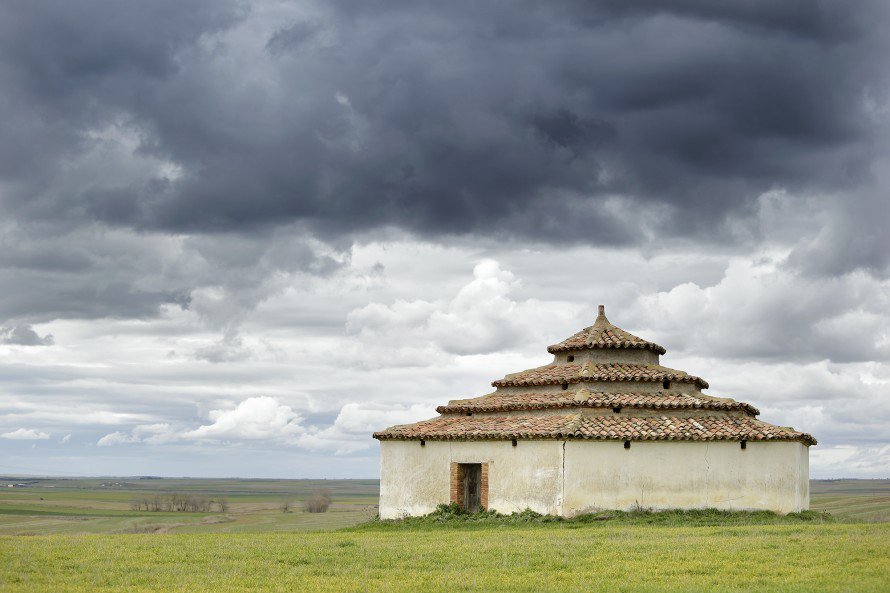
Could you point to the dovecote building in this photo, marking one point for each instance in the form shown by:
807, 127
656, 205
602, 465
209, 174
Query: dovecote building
604, 426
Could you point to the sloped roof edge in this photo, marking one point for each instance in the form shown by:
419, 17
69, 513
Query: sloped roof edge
582, 398
552, 374
575, 426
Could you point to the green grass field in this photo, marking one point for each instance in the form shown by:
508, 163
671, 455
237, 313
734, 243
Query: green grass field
546, 557
82, 540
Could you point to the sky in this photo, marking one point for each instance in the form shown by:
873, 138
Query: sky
237, 237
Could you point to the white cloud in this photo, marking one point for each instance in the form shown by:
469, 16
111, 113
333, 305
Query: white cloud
355, 423
847, 461
115, 438
25, 434
146, 433
260, 418
79, 414
267, 419
762, 309
480, 318
404, 326
65, 438
255, 418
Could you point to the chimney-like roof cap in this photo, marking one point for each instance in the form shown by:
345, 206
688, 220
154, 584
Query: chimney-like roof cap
602, 334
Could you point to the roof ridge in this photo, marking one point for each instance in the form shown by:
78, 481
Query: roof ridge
582, 394
574, 424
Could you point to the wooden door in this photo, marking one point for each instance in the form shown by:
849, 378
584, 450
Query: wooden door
472, 486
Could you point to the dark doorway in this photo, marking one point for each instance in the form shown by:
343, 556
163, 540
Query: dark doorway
472, 473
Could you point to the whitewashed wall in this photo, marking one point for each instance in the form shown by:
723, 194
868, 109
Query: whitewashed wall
414, 479
568, 478
672, 474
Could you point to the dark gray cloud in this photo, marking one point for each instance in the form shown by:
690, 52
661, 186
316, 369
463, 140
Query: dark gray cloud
24, 335
803, 18
208, 203
438, 118
152, 152
90, 272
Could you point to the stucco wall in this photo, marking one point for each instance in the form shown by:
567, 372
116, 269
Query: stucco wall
414, 479
572, 477
670, 474
630, 355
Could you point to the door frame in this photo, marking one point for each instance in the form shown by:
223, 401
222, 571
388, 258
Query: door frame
458, 483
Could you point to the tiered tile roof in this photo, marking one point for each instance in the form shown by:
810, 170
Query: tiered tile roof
576, 426
553, 374
582, 398
708, 418
602, 334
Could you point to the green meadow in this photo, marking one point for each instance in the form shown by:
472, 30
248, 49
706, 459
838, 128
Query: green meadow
83, 536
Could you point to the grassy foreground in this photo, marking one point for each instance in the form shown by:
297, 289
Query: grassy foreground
529, 557
77, 535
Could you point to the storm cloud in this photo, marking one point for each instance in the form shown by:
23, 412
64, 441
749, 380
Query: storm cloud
523, 119
342, 208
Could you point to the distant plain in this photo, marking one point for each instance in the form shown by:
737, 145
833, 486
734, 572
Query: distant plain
81, 535
45, 506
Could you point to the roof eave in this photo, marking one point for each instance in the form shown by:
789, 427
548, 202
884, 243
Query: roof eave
555, 348
506, 382
517, 407
803, 438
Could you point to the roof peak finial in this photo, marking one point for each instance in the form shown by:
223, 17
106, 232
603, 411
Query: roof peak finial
601, 320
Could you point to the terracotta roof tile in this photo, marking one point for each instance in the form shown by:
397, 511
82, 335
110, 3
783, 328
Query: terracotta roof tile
611, 371
602, 334
576, 426
582, 398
